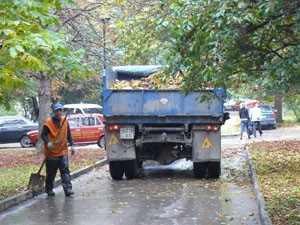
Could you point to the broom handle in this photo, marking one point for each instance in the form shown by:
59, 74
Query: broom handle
55, 138
41, 167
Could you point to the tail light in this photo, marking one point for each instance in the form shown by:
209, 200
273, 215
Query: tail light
272, 115
212, 128
208, 127
215, 128
114, 127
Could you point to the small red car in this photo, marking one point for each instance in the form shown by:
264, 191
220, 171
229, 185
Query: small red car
85, 128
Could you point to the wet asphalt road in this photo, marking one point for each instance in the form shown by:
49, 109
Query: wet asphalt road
163, 195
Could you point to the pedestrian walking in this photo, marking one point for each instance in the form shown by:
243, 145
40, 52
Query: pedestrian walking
58, 157
255, 117
244, 117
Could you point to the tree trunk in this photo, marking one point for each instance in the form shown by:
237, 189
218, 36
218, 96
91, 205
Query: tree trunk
36, 107
44, 96
278, 107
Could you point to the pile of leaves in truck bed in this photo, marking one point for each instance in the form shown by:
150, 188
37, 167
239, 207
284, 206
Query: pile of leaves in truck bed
278, 169
154, 81
17, 165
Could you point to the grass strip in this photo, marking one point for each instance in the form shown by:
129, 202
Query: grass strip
278, 169
16, 167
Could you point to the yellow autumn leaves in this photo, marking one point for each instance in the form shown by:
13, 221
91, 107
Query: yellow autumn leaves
154, 81
278, 169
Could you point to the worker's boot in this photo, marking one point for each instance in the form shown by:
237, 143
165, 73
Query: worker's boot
50, 193
68, 193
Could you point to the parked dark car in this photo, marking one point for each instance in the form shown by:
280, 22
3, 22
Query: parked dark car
14, 129
268, 116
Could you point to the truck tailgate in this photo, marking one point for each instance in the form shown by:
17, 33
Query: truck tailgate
155, 106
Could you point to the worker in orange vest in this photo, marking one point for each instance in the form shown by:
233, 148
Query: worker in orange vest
58, 157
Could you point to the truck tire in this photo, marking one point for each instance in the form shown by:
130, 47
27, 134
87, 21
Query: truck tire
214, 169
199, 169
130, 167
116, 170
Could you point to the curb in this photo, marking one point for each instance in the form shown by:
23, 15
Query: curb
29, 194
264, 217
229, 135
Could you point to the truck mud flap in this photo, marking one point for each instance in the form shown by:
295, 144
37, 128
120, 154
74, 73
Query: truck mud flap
206, 144
118, 149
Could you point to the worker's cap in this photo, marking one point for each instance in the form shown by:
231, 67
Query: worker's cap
57, 106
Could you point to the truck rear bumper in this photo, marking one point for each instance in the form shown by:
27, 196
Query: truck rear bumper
164, 138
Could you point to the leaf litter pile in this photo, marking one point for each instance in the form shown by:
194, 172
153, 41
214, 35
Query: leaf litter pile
157, 80
17, 165
277, 165
154, 81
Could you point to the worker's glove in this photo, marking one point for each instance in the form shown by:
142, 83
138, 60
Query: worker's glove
50, 145
72, 150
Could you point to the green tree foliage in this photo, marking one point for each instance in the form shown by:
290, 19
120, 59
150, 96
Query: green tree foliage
86, 91
293, 103
226, 42
138, 39
87, 26
233, 42
30, 47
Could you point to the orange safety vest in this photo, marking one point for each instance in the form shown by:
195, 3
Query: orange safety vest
61, 144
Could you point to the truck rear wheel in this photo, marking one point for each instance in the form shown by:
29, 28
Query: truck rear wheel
116, 170
199, 169
130, 167
214, 169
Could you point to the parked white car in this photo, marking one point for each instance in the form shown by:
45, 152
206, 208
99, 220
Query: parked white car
83, 108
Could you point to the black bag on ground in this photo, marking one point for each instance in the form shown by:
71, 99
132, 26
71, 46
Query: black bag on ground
250, 129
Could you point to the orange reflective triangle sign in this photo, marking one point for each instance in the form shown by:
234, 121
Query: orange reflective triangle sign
113, 140
206, 143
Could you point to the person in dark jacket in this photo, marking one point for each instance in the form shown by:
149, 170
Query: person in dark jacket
244, 117
58, 157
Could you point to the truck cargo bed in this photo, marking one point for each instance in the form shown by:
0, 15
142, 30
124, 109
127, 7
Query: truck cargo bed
162, 106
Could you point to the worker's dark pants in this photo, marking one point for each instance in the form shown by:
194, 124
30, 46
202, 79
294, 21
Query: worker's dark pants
62, 164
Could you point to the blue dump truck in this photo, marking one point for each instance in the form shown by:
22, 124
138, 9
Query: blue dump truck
162, 125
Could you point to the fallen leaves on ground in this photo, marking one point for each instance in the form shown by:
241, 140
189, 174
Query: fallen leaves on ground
278, 169
17, 165
288, 124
